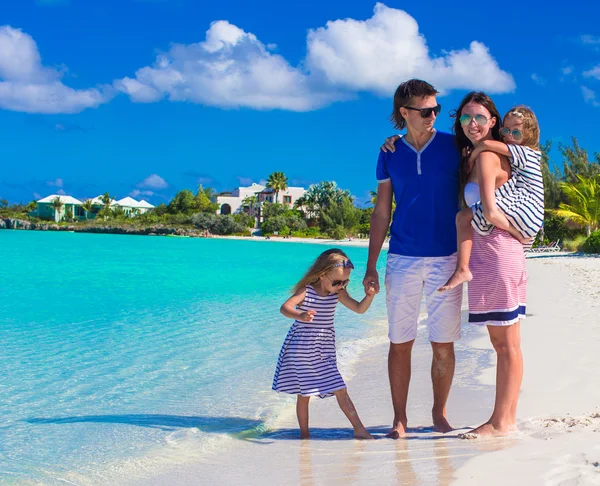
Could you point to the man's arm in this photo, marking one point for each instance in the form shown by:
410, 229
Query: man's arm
380, 223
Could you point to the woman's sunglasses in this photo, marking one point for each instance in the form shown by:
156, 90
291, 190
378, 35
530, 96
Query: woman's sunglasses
516, 134
338, 283
426, 112
479, 119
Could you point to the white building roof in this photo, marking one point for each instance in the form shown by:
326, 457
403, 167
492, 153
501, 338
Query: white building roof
129, 202
145, 204
62, 198
98, 201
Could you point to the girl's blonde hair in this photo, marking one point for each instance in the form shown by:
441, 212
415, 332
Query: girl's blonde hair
326, 261
531, 128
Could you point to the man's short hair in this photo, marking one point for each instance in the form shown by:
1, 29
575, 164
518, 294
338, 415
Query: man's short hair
413, 88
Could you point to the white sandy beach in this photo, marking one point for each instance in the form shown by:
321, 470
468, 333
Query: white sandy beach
559, 419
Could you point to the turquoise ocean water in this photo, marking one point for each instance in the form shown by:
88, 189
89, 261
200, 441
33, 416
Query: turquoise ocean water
116, 349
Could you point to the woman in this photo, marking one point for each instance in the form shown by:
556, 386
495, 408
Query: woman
497, 292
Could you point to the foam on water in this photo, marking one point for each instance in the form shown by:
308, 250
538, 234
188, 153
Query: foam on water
121, 354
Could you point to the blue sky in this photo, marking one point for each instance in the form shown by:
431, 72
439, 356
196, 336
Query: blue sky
147, 97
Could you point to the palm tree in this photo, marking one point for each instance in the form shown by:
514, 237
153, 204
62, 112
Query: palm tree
278, 182
373, 195
87, 206
584, 203
251, 202
106, 200
57, 205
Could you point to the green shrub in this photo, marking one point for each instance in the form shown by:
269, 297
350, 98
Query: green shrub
592, 244
338, 232
575, 244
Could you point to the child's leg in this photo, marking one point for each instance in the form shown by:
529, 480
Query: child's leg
302, 413
348, 408
463, 255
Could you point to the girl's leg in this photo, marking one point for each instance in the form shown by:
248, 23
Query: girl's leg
509, 374
348, 408
463, 254
302, 413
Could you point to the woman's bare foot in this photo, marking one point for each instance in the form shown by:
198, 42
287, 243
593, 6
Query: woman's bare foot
486, 430
363, 435
304, 435
458, 277
440, 424
398, 431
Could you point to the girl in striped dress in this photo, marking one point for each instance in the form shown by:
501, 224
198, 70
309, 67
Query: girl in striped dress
307, 361
519, 202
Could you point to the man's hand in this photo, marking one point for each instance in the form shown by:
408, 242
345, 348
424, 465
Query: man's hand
371, 281
388, 145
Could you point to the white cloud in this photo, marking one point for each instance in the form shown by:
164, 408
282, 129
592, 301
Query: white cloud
378, 53
58, 182
567, 70
37, 196
61, 192
590, 96
26, 85
593, 73
233, 68
538, 79
137, 192
154, 181
589, 39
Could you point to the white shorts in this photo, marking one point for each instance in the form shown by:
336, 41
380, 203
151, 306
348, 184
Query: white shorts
405, 280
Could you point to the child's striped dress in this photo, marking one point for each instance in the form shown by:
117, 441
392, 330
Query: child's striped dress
307, 362
521, 198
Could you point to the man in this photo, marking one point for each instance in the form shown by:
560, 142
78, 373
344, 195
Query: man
422, 175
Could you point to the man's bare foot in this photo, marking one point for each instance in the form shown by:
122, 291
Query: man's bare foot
398, 431
458, 277
441, 425
486, 430
363, 435
304, 435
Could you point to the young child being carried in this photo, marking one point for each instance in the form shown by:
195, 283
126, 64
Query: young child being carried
307, 364
519, 203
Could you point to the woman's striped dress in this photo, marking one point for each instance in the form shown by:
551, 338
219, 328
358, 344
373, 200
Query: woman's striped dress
307, 363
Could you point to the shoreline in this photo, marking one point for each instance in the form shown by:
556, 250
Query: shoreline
558, 416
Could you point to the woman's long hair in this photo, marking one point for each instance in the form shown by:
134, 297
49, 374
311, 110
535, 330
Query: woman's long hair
463, 144
326, 261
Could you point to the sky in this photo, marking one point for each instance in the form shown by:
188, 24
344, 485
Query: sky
148, 97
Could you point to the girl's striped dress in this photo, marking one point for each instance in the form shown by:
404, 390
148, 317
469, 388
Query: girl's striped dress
307, 362
521, 199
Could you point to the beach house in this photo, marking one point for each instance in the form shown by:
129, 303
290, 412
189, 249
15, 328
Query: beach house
233, 202
57, 206
68, 207
133, 207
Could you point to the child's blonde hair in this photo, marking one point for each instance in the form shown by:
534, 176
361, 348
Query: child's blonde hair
326, 261
531, 128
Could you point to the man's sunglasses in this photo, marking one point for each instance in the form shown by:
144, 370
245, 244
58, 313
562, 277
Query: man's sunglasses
426, 112
516, 134
338, 283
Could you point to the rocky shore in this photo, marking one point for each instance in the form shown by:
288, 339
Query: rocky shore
158, 230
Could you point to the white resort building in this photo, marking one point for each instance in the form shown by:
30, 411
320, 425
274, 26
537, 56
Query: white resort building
47, 208
232, 202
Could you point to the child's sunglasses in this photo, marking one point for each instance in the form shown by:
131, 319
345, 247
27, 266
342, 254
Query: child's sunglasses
426, 112
338, 283
479, 119
516, 134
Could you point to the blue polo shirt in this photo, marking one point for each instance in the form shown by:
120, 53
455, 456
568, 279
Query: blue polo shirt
426, 189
